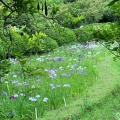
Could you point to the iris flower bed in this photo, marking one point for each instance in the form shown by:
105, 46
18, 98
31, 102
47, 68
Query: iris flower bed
49, 81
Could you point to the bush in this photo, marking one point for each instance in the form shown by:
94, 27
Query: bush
84, 33
4, 63
61, 35
34, 23
92, 11
108, 16
15, 43
50, 44
106, 31
20, 44
99, 31
40, 43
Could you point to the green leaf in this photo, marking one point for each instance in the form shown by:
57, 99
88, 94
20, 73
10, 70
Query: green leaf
115, 49
23, 61
0, 109
112, 2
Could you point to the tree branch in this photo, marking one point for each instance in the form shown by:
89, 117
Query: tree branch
50, 18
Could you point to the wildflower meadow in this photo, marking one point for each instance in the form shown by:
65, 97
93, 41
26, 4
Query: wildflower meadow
49, 81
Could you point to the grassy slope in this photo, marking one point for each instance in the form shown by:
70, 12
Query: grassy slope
105, 103
96, 106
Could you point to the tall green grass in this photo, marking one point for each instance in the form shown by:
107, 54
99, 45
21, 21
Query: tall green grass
49, 81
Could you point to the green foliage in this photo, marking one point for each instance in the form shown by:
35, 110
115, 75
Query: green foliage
115, 6
70, 20
36, 43
34, 23
91, 10
19, 41
54, 9
105, 32
84, 33
40, 43
109, 33
54, 2
22, 6
61, 35
112, 2
4, 67
50, 44
15, 44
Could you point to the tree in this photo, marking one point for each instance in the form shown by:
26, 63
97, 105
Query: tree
12, 9
110, 32
115, 6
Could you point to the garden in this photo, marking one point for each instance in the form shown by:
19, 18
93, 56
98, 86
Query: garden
59, 60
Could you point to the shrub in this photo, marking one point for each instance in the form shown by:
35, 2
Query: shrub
110, 33
15, 43
106, 32
50, 44
108, 16
4, 67
61, 35
34, 23
40, 43
36, 43
4, 63
84, 33
19, 43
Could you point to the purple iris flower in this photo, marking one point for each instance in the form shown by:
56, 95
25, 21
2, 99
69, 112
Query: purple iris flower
18, 84
79, 60
75, 66
14, 81
38, 80
52, 86
25, 84
65, 74
4, 93
38, 77
12, 97
84, 73
57, 59
52, 73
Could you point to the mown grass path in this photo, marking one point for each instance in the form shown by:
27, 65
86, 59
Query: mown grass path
108, 79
